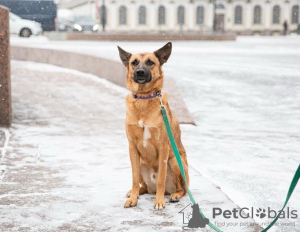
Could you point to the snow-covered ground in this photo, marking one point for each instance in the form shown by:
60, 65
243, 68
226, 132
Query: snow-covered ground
244, 96
65, 163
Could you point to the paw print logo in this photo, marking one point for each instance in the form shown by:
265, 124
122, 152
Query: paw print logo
261, 213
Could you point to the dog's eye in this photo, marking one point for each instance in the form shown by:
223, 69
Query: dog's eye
135, 62
149, 63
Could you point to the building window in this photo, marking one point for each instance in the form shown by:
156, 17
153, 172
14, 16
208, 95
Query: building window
180, 15
122, 15
238, 15
257, 15
276, 14
295, 14
142, 15
161, 15
200, 15
220, 6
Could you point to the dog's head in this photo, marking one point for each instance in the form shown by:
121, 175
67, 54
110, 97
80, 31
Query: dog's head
144, 70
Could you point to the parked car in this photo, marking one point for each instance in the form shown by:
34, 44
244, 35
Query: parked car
65, 20
23, 27
63, 24
85, 23
43, 12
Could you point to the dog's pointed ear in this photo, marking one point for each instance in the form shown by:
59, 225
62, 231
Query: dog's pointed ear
124, 56
164, 53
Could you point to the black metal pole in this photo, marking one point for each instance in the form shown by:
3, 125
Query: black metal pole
103, 15
298, 29
215, 16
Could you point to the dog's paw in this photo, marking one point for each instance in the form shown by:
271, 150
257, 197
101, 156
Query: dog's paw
175, 197
142, 191
128, 194
159, 203
131, 202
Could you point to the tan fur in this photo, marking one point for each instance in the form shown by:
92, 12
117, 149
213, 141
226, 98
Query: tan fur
154, 166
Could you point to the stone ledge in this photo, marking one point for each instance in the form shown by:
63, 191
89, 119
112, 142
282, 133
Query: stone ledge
110, 36
105, 68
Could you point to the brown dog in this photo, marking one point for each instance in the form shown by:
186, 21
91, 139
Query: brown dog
154, 166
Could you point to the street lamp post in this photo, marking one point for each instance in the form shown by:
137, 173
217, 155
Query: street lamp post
215, 16
103, 15
298, 28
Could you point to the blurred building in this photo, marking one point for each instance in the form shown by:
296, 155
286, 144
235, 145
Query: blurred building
240, 16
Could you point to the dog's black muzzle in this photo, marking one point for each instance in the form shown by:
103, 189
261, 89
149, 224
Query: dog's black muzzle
142, 76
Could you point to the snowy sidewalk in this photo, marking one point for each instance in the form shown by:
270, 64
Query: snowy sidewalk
65, 164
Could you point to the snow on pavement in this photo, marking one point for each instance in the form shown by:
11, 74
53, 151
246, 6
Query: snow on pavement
244, 96
66, 165
245, 101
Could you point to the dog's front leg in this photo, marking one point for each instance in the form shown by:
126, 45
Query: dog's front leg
135, 166
163, 155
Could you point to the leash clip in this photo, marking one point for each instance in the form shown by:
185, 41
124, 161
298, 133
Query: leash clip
159, 94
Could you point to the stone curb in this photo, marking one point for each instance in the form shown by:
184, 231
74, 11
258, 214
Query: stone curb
111, 70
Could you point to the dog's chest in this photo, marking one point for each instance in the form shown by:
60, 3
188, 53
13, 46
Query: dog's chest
147, 141
146, 135
143, 133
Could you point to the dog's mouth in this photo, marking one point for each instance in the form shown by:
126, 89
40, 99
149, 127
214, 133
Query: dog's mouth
142, 79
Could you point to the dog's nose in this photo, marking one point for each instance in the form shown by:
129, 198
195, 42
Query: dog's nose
142, 76
140, 72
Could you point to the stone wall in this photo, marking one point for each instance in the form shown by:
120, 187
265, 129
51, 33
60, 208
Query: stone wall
101, 67
5, 85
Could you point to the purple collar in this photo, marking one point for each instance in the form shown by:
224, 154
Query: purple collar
153, 95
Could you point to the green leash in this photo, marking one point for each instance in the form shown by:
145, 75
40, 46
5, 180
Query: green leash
178, 158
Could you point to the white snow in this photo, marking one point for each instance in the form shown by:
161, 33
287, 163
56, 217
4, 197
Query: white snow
67, 161
244, 97
3, 153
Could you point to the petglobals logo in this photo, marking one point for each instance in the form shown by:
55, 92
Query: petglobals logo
254, 213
